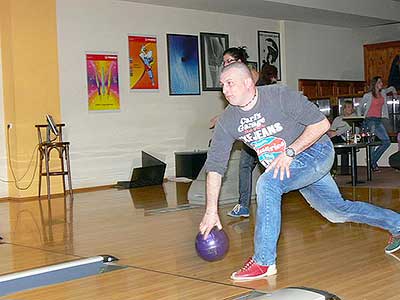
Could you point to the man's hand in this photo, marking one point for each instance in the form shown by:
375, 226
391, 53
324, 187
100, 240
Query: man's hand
331, 133
213, 122
210, 220
309, 136
280, 165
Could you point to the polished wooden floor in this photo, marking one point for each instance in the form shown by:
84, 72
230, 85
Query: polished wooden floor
141, 228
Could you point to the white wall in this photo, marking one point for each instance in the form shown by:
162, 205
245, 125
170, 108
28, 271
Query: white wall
106, 145
3, 153
379, 34
321, 52
385, 9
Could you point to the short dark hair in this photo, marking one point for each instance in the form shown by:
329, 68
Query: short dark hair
238, 53
238, 66
348, 102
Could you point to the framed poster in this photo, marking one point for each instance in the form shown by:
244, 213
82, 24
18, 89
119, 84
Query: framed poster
143, 62
183, 64
269, 50
102, 82
212, 47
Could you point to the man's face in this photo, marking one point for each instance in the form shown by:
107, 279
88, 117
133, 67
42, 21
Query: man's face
235, 88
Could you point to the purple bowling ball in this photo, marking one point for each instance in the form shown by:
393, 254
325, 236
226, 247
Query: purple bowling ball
214, 247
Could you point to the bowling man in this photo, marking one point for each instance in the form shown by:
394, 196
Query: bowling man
288, 132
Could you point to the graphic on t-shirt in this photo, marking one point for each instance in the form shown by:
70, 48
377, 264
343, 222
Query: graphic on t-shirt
255, 132
268, 149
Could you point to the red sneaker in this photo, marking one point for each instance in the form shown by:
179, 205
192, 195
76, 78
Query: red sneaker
251, 270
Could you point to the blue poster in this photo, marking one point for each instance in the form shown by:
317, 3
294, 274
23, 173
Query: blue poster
183, 64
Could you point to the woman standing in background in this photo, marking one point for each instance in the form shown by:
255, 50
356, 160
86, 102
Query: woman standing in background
373, 107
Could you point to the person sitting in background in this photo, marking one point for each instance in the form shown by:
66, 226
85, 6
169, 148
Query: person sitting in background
337, 133
374, 107
268, 75
338, 129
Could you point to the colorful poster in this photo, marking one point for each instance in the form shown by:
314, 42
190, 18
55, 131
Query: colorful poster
102, 78
143, 62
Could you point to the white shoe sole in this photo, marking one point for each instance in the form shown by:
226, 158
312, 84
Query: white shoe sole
236, 216
271, 271
392, 251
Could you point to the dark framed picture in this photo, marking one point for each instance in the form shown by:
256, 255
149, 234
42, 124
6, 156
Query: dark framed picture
183, 64
252, 65
212, 47
269, 50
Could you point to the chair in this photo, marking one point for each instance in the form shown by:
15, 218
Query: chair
344, 161
45, 148
344, 155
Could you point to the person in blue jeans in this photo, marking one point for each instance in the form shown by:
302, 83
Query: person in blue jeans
247, 163
288, 133
374, 107
248, 157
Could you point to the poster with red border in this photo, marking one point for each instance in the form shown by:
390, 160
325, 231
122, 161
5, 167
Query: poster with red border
143, 62
102, 82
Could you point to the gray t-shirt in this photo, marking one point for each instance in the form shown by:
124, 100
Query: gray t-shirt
275, 122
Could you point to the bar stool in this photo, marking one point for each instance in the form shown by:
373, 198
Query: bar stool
45, 148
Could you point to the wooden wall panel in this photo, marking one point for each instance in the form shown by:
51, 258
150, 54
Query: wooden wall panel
378, 59
325, 88
308, 87
344, 88
316, 88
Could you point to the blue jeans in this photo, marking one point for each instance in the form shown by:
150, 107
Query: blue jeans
247, 163
309, 173
375, 125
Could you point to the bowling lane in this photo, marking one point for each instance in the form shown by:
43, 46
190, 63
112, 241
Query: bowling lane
130, 284
55, 273
121, 223
15, 258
